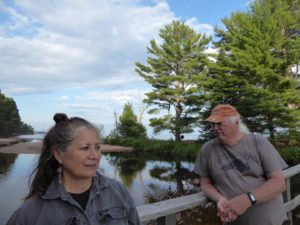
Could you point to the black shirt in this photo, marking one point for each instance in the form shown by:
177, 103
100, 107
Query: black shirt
81, 198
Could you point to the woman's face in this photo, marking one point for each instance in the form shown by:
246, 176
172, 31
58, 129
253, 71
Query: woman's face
81, 159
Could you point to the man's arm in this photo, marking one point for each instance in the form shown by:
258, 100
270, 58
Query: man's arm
209, 190
274, 186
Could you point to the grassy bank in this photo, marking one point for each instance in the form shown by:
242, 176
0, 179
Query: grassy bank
162, 147
188, 149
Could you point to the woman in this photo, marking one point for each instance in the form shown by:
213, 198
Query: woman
66, 188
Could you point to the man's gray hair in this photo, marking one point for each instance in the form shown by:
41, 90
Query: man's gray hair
242, 126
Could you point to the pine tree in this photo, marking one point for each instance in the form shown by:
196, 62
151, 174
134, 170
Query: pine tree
128, 125
252, 66
10, 121
175, 70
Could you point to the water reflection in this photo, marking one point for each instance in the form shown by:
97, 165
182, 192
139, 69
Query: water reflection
14, 176
128, 165
167, 176
6, 161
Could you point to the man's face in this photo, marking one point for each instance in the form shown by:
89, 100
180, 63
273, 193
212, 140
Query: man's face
226, 129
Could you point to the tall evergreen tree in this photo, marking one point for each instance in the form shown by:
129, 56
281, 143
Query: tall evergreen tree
252, 66
128, 125
292, 55
175, 71
10, 121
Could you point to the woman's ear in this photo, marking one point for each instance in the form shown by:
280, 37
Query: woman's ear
57, 155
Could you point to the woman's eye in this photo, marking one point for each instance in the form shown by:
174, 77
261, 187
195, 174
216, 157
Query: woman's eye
85, 148
98, 147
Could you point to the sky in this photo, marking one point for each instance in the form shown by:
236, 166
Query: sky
78, 56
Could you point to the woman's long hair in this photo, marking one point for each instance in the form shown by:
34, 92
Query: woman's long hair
58, 137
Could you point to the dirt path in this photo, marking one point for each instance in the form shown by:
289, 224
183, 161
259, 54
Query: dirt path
35, 147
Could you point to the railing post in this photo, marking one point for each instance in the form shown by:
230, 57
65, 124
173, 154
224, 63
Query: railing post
161, 221
167, 220
171, 219
289, 198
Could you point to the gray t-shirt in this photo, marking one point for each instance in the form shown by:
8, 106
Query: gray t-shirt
237, 169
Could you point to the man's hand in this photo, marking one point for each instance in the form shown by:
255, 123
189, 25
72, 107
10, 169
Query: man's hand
229, 210
225, 211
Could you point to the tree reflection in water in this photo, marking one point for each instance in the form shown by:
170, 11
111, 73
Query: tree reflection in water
175, 172
128, 165
168, 168
6, 161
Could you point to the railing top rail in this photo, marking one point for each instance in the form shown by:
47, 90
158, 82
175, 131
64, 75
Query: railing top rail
291, 171
170, 206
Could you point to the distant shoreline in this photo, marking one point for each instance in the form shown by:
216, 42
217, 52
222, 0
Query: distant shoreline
13, 146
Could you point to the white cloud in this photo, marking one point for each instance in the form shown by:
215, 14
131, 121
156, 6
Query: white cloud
64, 97
296, 69
76, 43
122, 97
200, 28
84, 106
53, 45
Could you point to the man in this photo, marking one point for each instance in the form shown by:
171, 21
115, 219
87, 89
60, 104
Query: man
241, 172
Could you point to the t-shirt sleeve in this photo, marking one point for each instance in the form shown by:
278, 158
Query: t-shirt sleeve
270, 158
201, 165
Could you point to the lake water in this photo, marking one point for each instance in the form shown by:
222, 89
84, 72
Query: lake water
146, 180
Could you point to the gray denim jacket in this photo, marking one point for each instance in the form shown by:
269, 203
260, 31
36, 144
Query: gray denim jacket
109, 204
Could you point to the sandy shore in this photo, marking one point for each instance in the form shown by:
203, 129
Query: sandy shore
35, 147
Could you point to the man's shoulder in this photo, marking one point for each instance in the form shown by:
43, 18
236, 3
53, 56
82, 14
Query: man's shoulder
210, 143
258, 138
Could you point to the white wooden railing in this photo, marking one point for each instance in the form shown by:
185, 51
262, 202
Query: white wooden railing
165, 211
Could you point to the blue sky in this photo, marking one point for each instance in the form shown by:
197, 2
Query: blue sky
78, 56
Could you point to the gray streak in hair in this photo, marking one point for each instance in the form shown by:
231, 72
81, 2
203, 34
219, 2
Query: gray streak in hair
242, 126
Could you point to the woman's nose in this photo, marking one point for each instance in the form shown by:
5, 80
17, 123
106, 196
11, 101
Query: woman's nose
94, 152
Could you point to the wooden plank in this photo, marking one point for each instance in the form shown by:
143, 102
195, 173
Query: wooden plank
289, 206
289, 197
171, 206
171, 219
292, 171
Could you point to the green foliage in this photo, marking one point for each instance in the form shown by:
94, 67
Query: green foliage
162, 147
290, 154
187, 150
10, 121
128, 125
253, 68
289, 138
175, 70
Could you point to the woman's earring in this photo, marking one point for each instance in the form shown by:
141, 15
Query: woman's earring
59, 172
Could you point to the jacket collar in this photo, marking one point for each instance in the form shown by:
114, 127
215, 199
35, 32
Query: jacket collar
57, 190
